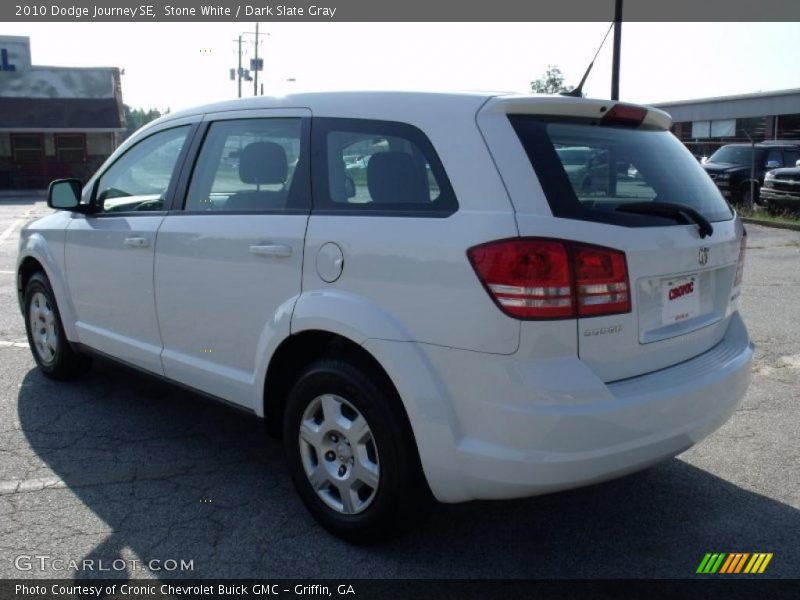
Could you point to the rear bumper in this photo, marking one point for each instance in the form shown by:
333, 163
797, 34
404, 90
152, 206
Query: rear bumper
525, 428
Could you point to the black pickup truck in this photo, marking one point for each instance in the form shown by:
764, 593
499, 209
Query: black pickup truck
730, 167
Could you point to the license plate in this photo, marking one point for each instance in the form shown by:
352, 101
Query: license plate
680, 299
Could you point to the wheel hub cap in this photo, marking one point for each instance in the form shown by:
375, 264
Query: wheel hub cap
339, 454
44, 333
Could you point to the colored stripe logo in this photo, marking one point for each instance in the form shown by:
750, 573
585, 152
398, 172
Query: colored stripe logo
734, 562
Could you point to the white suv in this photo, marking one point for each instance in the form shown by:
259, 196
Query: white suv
452, 316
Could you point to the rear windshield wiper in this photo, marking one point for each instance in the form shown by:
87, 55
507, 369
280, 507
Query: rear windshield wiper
685, 214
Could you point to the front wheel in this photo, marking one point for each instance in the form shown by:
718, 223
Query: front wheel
51, 350
351, 454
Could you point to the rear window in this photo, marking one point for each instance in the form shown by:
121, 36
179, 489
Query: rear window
589, 171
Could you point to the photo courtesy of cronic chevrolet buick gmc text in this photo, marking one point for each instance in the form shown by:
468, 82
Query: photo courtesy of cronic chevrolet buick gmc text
421, 293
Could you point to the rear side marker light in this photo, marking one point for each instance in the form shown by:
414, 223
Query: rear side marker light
536, 278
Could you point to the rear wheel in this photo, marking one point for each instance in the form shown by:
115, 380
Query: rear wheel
351, 454
51, 350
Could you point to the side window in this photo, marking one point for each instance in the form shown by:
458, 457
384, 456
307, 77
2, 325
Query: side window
377, 166
139, 179
774, 156
790, 157
249, 165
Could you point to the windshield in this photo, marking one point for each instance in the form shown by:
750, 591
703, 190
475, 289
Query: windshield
736, 155
621, 166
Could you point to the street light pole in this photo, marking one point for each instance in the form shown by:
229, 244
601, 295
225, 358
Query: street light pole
617, 46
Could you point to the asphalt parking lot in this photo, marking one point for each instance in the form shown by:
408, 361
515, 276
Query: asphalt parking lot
117, 465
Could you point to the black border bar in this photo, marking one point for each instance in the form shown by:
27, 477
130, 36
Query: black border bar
151, 11
417, 589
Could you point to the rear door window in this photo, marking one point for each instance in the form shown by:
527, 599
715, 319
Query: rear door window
589, 172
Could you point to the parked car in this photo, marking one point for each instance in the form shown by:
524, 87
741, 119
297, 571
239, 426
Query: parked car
586, 168
781, 191
466, 322
730, 167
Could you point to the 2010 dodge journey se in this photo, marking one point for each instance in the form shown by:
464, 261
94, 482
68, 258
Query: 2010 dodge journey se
449, 296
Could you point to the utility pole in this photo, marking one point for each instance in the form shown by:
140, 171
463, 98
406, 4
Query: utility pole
239, 70
617, 45
255, 63
255, 83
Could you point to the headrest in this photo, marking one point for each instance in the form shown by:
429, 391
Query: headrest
395, 178
263, 162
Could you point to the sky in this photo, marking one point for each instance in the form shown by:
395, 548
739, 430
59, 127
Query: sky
178, 65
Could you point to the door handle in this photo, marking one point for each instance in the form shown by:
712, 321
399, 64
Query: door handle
277, 250
137, 242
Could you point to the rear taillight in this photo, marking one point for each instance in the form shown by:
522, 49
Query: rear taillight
533, 278
737, 281
601, 280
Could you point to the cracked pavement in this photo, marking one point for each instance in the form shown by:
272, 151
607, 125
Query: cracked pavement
118, 465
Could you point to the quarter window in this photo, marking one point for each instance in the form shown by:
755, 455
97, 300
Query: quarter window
378, 167
139, 180
249, 165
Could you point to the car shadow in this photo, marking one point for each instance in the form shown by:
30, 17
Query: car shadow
177, 477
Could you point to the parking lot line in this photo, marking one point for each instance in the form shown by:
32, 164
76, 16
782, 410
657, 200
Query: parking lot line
19, 486
4, 344
10, 229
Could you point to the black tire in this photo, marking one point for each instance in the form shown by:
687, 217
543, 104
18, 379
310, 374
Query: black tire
65, 362
402, 498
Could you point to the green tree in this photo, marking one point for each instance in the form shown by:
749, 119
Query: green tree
552, 82
136, 117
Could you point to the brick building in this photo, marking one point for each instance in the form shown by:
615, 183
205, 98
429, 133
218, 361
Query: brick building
54, 121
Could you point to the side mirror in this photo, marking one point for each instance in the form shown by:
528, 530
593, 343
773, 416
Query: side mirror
349, 186
773, 164
797, 164
64, 194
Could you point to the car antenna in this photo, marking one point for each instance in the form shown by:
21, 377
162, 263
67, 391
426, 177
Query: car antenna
578, 91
